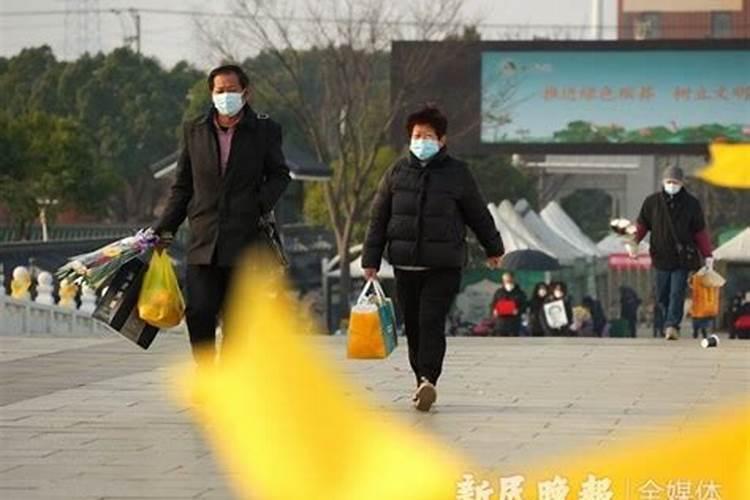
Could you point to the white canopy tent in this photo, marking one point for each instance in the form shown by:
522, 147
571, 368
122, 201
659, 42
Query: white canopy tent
735, 250
566, 228
355, 266
564, 251
474, 301
511, 239
508, 214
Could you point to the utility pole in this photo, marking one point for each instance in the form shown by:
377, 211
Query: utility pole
133, 41
137, 22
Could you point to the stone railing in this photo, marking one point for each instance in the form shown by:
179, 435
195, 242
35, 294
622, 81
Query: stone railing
26, 318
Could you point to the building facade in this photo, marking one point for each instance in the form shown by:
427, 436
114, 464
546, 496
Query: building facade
683, 19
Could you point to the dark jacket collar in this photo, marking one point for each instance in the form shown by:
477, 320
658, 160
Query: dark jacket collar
434, 162
681, 195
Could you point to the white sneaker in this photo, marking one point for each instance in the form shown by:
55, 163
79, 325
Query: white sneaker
671, 333
425, 396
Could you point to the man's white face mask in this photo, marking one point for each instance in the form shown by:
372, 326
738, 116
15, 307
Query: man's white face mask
672, 187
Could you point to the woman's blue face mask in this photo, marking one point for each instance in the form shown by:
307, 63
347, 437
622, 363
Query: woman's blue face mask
424, 149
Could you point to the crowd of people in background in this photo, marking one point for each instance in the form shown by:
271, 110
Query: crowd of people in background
548, 312
512, 313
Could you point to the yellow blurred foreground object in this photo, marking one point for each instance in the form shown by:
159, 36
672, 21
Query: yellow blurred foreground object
729, 167
284, 425
710, 461
287, 427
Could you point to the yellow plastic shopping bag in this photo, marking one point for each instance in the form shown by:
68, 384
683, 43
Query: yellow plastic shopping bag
160, 301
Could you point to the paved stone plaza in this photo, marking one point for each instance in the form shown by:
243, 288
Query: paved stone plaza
90, 418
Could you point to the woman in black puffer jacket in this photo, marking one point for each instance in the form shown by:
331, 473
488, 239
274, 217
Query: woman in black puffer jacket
419, 217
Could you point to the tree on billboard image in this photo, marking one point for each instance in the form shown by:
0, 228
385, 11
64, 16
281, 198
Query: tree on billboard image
580, 131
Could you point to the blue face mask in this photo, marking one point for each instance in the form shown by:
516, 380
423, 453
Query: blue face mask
424, 149
228, 103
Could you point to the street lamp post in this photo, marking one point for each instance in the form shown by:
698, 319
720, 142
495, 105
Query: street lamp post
44, 204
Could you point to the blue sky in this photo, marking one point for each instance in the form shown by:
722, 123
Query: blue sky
662, 70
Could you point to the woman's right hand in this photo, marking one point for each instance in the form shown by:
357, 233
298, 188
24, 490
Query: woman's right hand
370, 273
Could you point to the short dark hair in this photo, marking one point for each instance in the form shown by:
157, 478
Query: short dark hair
428, 115
228, 68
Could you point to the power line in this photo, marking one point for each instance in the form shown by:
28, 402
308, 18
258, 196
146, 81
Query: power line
331, 20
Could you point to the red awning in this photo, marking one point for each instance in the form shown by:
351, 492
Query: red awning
623, 261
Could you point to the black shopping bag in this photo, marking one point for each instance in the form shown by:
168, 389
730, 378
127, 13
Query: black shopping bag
118, 308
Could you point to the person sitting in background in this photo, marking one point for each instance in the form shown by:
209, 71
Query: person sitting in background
557, 320
583, 325
739, 312
508, 306
536, 310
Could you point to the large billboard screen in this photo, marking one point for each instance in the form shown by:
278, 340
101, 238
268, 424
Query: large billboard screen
646, 97
580, 97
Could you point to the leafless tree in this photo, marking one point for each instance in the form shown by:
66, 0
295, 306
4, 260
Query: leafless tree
349, 119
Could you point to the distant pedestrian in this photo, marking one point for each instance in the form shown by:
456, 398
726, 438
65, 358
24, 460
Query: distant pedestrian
536, 310
507, 308
679, 241
598, 318
629, 304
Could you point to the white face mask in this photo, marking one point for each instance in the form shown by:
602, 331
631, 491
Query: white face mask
228, 103
558, 294
508, 286
542, 293
671, 188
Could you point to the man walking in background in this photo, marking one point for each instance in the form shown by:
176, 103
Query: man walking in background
231, 172
679, 241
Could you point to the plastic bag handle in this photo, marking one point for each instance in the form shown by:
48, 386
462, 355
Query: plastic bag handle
379, 293
363, 295
379, 290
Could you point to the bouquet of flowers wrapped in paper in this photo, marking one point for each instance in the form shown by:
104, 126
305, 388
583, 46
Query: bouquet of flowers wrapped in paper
95, 268
626, 230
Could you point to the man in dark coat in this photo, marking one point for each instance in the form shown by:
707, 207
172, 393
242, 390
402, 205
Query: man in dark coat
419, 216
507, 308
231, 171
678, 240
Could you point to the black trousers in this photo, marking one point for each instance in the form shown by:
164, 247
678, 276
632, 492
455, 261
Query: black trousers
425, 298
207, 287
